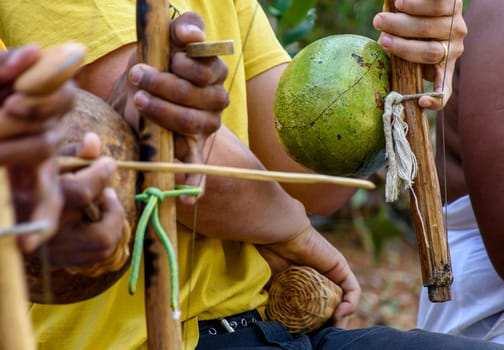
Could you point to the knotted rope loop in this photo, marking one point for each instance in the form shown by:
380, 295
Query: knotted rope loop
402, 163
152, 197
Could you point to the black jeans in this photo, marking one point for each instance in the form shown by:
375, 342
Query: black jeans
258, 335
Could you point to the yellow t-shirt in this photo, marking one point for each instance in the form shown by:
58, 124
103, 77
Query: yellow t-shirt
226, 277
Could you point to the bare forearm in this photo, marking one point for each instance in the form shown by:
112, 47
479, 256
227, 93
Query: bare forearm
261, 212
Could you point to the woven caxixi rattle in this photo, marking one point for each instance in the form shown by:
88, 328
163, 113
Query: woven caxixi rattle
302, 299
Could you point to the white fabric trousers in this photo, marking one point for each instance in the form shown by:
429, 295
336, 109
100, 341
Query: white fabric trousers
477, 305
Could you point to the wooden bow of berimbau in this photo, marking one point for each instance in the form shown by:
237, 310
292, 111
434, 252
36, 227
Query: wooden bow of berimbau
425, 196
163, 330
15, 324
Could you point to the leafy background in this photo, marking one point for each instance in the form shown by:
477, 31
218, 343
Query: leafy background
376, 237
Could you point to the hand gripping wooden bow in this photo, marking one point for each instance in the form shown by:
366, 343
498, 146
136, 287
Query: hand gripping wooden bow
425, 198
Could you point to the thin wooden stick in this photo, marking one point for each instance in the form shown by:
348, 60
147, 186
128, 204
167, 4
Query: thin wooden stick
425, 197
163, 331
71, 163
15, 325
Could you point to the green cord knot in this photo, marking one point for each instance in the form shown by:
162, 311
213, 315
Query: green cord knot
151, 192
152, 197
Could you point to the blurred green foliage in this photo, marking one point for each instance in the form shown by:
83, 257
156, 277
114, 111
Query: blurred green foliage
300, 22
303, 21
292, 19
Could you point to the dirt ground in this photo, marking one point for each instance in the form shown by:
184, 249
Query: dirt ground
390, 286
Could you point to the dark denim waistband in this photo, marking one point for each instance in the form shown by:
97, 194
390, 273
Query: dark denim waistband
229, 324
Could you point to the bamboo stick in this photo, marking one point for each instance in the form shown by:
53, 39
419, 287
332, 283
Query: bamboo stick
163, 331
425, 198
71, 163
15, 326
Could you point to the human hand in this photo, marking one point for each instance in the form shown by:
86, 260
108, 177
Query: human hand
29, 140
188, 100
79, 241
36, 87
422, 31
310, 248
